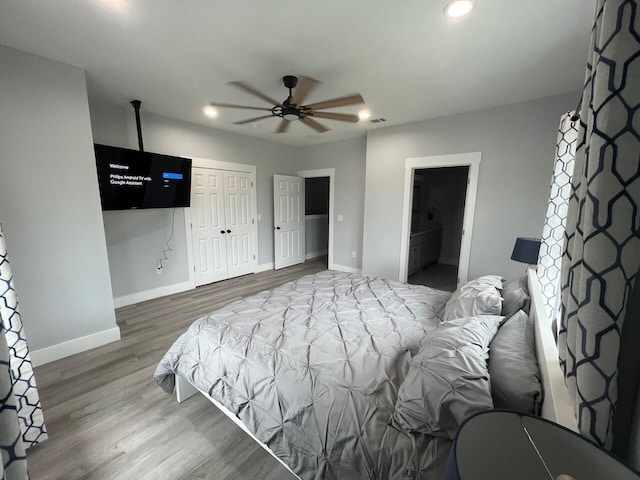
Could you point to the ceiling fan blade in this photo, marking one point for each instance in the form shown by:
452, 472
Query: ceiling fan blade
284, 126
251, 120
249, 89
337, 102
341, 117
228, 105
318, 127
304, 88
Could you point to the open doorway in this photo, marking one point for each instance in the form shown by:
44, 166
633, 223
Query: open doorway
437, 216
470, 161
320, 243
316, 218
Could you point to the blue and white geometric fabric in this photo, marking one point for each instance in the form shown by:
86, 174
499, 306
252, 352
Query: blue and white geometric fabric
12, 452
602, 249
24, 382
552, 243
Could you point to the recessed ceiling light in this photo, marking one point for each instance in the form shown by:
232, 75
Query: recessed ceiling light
364, 114
458, 8
210, 111
117, 6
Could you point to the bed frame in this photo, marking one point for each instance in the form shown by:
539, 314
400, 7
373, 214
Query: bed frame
184, 390
556, 405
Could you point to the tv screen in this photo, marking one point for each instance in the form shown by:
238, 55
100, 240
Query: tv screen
131, 179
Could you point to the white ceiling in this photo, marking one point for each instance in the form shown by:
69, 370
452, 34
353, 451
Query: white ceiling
407, 60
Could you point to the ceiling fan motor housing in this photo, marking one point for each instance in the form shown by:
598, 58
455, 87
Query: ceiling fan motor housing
290, 81
289, 111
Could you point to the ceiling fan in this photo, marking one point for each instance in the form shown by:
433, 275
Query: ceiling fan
293, 108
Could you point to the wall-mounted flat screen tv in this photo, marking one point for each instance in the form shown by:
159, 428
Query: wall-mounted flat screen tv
130, 179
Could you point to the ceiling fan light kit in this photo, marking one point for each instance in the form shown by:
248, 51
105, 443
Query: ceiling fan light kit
210, 111
364, 114
292, 108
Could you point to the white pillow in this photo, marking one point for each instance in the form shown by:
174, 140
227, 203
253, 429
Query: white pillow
476, 297
493, 280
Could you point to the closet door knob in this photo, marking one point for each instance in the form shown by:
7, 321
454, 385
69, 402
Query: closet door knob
228, 231
277, 228
222, 232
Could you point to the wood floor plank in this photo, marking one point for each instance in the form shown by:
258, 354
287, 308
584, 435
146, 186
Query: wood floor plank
108, 420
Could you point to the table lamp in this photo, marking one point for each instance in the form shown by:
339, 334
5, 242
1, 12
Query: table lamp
526, 250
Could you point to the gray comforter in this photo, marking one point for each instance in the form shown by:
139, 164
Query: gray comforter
313, 369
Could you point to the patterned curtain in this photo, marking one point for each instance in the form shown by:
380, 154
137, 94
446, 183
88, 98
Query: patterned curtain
550, 257
24, 382
12, 452
602, 249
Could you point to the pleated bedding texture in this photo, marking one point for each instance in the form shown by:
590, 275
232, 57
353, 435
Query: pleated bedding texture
313, 369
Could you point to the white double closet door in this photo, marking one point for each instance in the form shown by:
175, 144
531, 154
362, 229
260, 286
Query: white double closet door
221, 224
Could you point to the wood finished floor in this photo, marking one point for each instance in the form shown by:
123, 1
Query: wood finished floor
438, 276
108, 420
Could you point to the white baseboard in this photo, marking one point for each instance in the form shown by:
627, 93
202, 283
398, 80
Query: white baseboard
343, 268
138, 297
448, 261
310, 255
71, 347
263, 267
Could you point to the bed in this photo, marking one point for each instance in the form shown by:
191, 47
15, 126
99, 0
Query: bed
314, 371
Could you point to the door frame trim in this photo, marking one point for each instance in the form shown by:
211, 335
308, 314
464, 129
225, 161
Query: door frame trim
331, 173
471, 160
220, 165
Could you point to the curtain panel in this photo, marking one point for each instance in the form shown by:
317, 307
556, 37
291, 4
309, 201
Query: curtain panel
552, 242
23, 380
602, 242
12, 452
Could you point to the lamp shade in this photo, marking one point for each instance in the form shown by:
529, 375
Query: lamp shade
526, 250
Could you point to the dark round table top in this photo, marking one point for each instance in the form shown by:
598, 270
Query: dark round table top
503, 445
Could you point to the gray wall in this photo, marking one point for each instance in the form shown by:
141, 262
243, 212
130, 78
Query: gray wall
49, 203
348, 158
135, 238
135, 241
517, 144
